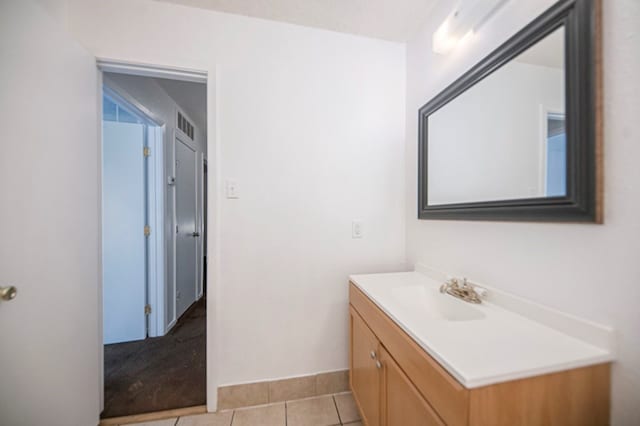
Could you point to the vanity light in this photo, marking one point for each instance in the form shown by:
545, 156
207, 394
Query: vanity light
467, 16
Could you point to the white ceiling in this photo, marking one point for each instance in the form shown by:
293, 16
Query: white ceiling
192, 97
394, 20
548, 52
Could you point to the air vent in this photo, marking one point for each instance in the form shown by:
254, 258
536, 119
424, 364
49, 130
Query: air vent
185, 125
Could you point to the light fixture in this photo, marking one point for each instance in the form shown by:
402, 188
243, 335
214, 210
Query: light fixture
465, 18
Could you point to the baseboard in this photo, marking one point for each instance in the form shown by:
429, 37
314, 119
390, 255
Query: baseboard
259, 393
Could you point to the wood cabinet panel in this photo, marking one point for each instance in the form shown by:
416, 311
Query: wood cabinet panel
448, 397
364, 374
578, 397
402, 404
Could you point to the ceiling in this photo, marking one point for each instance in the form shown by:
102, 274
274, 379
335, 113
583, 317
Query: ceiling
394, 20
192, 97
548, 52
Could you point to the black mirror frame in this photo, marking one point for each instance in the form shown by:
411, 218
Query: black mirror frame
583, 91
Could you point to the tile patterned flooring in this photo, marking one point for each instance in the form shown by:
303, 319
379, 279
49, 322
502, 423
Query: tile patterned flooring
327, 410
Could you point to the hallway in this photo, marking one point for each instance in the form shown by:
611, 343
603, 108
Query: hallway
158, 373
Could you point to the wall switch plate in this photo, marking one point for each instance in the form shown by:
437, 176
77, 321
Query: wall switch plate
356, 229
231, 188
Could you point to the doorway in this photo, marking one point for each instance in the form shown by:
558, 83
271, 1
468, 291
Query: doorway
154, 309
556, 156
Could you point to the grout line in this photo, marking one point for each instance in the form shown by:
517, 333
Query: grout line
177, 420
286, 414
233, 414
333, 397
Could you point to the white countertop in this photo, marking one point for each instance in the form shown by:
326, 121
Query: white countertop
499, 346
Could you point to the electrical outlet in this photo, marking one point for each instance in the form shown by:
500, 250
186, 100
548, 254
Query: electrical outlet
232, 188
356, 229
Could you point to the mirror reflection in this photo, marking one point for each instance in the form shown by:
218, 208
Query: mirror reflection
505, 137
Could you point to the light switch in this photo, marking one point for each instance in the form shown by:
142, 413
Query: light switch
231, 188
356, 229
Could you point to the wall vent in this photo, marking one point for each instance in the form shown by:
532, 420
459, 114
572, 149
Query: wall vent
185, 125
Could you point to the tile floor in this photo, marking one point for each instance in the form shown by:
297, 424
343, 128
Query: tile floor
327, 410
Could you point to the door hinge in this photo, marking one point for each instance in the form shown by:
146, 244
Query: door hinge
147, 230
147, 309
146, 151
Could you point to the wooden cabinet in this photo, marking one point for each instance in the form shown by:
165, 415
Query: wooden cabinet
383, 392
401, 403
364, 371
396, 383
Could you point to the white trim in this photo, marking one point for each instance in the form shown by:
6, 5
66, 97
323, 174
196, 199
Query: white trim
215, 191
214, 210
149, 70
174, 221
155, 202
202, 161
171, 324
100, 342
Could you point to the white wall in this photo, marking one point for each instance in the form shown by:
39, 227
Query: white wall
149, 93
588, 270
492, 131
311, 125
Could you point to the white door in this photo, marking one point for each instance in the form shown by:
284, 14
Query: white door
49, 223
123, 240
187, 235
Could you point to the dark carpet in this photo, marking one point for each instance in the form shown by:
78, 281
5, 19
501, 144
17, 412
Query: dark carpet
158, 373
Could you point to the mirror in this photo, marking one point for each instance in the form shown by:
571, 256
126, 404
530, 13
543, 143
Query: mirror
494, 141
513, 139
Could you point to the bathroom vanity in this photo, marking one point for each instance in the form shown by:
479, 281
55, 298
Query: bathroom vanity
420, 357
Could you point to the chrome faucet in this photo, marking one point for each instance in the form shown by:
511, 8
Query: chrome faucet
465, 291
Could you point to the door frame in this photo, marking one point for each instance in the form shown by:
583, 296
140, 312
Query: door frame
214, 196
180, 135
545, 112
202, 162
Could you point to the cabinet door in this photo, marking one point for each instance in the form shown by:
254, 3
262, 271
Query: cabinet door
365, 375
402, 404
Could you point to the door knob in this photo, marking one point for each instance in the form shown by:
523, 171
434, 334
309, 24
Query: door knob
8, 293
195, 234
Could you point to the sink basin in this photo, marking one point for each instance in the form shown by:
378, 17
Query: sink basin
430, 303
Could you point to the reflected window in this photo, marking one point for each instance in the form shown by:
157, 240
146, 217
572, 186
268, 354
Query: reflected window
556, 153
109, 109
